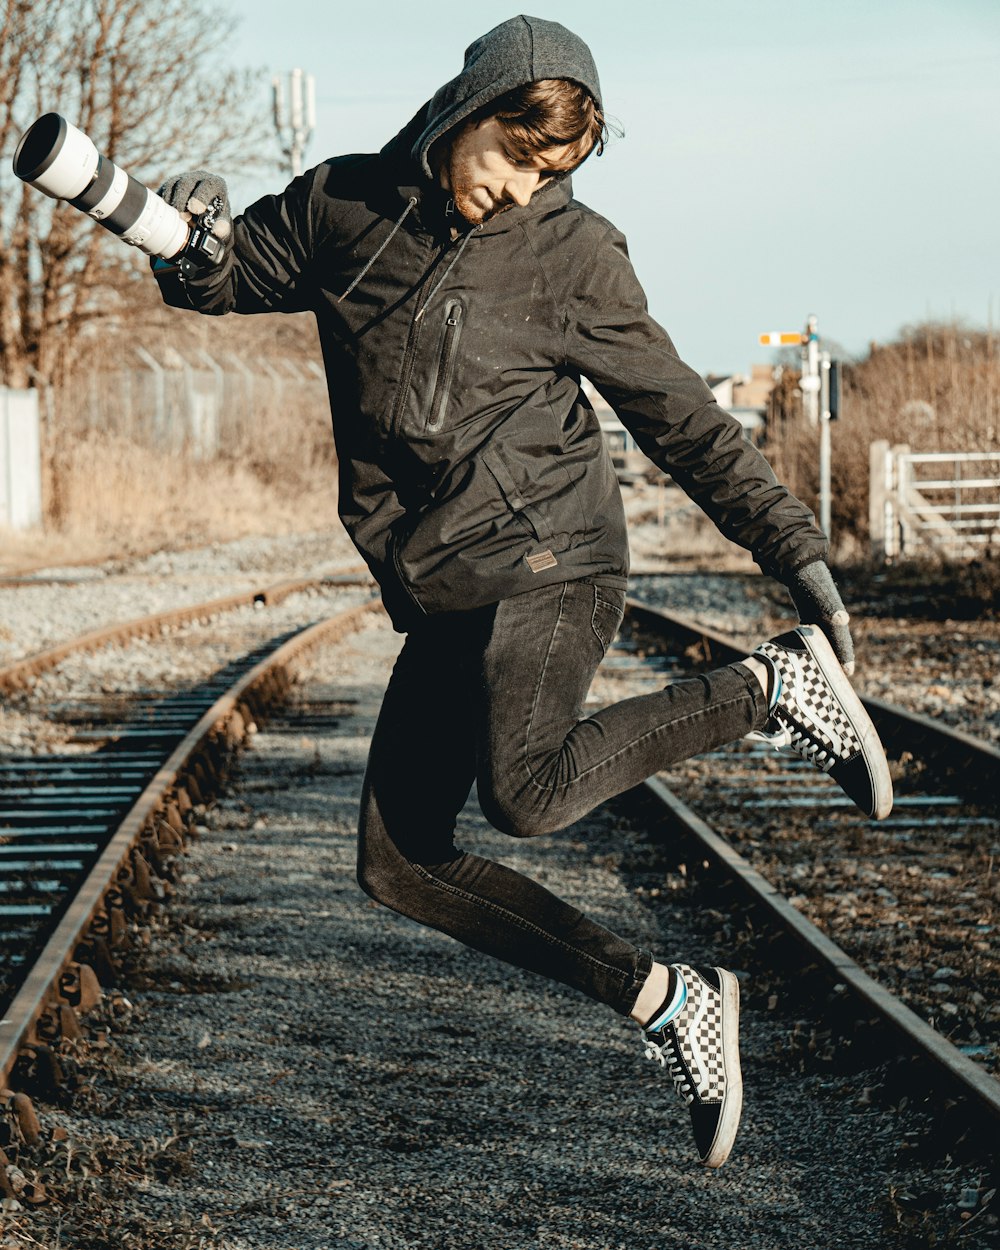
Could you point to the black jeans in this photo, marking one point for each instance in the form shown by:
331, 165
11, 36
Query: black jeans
495, 696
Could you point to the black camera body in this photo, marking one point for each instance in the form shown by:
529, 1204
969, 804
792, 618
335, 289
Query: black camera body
203, 250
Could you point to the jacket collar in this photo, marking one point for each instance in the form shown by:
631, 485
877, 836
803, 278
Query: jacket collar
434, 212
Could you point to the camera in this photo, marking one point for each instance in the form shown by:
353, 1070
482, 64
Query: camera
62, 162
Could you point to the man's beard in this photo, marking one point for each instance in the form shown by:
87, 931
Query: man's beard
462, 188
471, 209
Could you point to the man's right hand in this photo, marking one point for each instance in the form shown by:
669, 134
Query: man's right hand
817, 601
193, 193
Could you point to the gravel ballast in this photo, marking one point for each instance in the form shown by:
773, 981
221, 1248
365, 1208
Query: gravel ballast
55, 605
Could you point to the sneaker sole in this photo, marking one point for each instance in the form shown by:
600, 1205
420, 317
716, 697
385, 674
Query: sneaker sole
732, 1102
872, 751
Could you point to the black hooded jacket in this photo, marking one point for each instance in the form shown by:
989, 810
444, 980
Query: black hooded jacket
472, 466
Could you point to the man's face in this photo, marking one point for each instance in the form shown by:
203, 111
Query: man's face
483, 176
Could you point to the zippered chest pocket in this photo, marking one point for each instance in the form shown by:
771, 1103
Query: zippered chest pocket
441, 391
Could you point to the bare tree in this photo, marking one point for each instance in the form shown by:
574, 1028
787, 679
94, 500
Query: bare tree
146, 80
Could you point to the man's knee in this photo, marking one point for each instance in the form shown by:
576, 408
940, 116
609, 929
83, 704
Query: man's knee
524, 814
392, 873
382, 870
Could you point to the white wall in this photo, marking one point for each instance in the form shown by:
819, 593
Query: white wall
20, 460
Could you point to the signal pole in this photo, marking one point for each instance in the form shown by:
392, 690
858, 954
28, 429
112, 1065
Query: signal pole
824, 444
818, 407
809, 383
296, 124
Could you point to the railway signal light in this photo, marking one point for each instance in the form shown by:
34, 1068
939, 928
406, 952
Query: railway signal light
836, 391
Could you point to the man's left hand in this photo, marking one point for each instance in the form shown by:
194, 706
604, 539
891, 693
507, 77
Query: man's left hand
818, 602
197, 191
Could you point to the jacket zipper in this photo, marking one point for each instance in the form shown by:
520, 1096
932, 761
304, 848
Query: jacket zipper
409, 355
410, 351
446, 366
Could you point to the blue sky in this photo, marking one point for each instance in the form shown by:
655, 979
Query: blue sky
837, 157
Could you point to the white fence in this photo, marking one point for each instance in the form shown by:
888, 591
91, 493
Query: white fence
20, 460
944, 503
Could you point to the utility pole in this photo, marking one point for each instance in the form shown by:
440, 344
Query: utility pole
294, 124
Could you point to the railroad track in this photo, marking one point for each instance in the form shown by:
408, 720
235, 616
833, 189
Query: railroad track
58, 814
640, 655
87, 837
21, 673
793, 826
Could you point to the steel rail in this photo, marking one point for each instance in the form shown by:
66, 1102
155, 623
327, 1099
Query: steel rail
957, 1069
20, 673
39, 988
925, 1040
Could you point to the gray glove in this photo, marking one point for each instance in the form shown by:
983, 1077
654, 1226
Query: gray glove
818, 602
194, 193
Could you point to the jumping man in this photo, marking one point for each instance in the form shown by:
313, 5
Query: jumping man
461, 294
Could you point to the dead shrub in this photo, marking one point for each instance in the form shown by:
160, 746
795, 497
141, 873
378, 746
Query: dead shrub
108, 489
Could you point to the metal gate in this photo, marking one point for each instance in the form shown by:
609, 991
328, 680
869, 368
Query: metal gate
923, 503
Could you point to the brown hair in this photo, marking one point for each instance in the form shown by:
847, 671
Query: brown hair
551, 113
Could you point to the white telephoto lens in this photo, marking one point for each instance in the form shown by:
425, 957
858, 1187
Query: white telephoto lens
159, 230
56, 158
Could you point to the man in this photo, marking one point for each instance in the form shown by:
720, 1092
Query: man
461, 292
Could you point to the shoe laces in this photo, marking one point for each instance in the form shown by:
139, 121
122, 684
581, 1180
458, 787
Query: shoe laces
808, 747
788, 736
667, 1055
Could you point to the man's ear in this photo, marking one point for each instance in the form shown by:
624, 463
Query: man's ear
438, 151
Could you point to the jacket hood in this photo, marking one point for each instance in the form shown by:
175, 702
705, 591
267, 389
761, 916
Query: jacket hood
518, 51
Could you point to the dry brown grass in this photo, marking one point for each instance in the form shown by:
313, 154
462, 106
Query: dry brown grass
108, 492
111, 489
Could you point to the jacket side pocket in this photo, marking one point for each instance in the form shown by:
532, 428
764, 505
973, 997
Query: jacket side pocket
531, 515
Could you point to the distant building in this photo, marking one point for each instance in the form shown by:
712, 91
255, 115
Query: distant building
745, 397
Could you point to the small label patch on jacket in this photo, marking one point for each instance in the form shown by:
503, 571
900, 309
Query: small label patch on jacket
541, 560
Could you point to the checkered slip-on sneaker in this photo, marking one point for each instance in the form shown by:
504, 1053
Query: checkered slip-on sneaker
819, 717
700, 1048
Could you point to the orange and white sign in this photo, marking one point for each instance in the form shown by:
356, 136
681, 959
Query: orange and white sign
779, 338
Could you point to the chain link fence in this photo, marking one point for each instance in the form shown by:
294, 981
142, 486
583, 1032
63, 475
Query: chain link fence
194, 402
